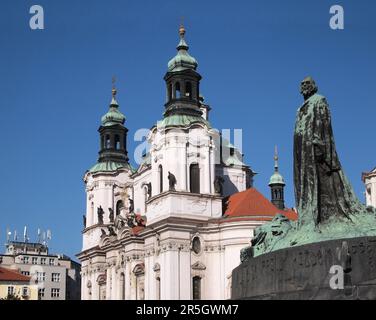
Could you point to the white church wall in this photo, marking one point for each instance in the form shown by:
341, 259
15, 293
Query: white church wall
370, 183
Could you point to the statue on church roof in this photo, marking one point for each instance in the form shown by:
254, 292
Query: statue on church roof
131, 205
100, 213
171, 181
218, 184
111, 214
111, 231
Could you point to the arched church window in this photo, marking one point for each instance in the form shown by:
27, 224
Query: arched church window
188, 89
196, 288
158, 280
108, 141
119, 206
177, 90
102, 142
122, 286
117, 142
157, 270
194, 178
169, 92
145, 197
92, 213
160, 174
139, 272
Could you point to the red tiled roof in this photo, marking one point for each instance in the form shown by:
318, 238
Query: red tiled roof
12, 275
251, 203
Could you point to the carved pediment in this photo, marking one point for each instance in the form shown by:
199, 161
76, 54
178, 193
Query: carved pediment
101, 279
198, 266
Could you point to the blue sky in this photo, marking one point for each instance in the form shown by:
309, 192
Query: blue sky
55, 84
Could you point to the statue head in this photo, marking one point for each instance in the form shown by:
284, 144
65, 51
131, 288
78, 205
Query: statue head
308, 88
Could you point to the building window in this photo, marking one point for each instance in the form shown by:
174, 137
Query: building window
158, 280
157, 270
119, 206
25, 273
188, 89
41, 276
55, 293
139, 272
108, 142
55, 277
25, 292
42, 260
194, 178
177, 90
160, 174
122, 286
40, 293
52, 262
34, 260
10, 291
25, 260
117, 142
196, 288
169, 92
92, 212
196, 245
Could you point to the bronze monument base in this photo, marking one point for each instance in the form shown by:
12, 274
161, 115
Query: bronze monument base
336, 269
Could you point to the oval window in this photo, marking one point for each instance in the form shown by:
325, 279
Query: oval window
196, 245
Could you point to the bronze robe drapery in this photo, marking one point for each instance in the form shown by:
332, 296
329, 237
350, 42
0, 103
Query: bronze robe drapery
321, 188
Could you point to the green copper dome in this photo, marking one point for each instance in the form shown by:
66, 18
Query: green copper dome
276, 178
181, 120
182, 60
113, 116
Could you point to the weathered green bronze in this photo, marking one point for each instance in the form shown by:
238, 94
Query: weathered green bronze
326, 203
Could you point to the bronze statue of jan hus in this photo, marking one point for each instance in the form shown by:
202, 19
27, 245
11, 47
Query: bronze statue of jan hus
322, 190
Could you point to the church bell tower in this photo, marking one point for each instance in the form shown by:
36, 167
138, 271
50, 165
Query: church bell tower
182, 82
113, 134
277, 185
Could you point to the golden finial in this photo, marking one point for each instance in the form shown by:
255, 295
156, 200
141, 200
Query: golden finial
114, 91
182, 29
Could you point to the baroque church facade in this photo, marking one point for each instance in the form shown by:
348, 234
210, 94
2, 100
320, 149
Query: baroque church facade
173, 228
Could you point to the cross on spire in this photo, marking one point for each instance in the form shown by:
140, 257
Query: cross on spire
276, 158
114, 91
182, 29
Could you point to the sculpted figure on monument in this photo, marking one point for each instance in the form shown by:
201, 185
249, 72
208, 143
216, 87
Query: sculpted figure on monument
322, 190
326, 204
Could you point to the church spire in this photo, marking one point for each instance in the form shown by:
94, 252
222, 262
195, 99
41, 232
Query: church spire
183, 60
182, 82
113, 133
277, 184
